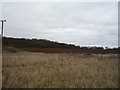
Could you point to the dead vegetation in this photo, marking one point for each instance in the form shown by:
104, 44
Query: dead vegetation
39, 70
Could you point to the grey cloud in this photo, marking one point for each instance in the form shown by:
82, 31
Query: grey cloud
78, 23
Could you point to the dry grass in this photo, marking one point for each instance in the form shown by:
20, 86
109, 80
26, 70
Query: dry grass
39, 70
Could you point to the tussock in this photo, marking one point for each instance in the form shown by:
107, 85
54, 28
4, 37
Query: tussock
39, 70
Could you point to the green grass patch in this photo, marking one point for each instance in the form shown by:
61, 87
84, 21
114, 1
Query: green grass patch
10, 49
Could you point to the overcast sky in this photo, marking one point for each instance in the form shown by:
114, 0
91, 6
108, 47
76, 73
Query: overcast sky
79, 23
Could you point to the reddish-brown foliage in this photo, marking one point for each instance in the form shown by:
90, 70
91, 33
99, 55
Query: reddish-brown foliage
65, 50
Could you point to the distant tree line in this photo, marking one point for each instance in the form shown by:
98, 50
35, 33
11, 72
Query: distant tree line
41, 43
34, 43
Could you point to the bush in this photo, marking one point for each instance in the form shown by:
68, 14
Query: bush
10, 49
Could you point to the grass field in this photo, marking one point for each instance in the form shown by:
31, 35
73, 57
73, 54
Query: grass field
60, 70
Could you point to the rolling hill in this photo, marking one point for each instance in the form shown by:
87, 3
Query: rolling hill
47, 46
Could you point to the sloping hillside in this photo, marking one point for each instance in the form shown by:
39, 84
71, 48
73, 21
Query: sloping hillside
34, 43
46, 46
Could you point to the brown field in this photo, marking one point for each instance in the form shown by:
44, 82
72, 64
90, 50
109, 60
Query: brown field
68, 50
60, 70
